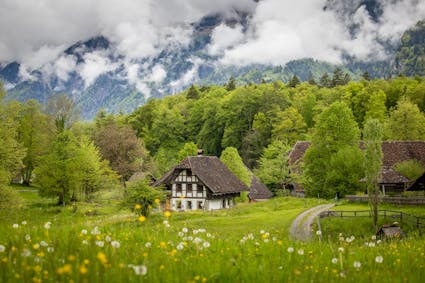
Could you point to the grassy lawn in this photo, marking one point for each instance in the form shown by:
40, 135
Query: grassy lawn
101, 242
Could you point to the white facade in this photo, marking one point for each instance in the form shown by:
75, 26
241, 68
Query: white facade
187, 193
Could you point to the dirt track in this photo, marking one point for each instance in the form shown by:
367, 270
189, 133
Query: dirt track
301, 227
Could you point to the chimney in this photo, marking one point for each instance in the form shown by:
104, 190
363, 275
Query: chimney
200, 152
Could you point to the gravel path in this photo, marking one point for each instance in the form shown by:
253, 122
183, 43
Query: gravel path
301, 227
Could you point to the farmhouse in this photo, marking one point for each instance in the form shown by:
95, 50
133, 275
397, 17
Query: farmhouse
394, 153
201, 182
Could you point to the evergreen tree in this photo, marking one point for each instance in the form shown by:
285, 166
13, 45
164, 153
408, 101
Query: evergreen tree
192, 93
294, 81
231, 84
366, 76
311, 79
325, 81
337, 78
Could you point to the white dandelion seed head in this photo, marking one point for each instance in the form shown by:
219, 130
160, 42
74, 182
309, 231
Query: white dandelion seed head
148, 244
319, 233
274, 239
15, 226
378, 242
257, 244
242, 241
195, 232
84, 232
25, 253
373, 237
379, 259
27, 237
181, 234
202, 230
357, 264
197, 240
85, 242
95, 231
185, 230
371, 244
251, 236
262, 232
206, 245
47, 225
208, 235
100, 243
341, 249
334, 260
180, 246
139, 269
300, 251
50, 249
2, 248
108, 238
165, 222
44, 244
290, 250
115, 244
24, 222
266, 240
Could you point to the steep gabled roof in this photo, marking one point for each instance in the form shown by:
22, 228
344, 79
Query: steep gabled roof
394, 152
258, 190
210, 171
419, 184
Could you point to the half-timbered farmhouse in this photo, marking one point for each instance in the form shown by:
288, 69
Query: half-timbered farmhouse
201, 182
394, 153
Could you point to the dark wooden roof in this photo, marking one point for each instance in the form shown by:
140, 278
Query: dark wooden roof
258, 190
210, 171
418, 185
394, 152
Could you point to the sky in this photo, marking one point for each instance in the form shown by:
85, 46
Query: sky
35, 33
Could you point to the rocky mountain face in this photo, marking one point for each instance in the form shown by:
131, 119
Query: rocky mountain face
109, 83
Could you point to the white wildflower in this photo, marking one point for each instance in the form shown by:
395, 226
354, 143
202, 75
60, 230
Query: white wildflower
300, 251
24, 222
181, 234
85, 242
262, 232
379, 259
290, 250
371, 244
319, 233
115, 244
202, 230
209, 235
195, 232
50, 249
197, 240
206, 245
185, 230
373, 237
2, 248
257, 244
341, 249
84, 232
378, 242
251, 236
334, 260
148, 244
266, 240
26, 253
27, 237
108, 238
95, 231
15, 226
100, 243
43, 244
180, 246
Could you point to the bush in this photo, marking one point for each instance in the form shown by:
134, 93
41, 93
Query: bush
141, 197
8, 198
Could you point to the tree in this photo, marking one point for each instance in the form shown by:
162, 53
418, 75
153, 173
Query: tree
192, 93
375, 108
120, 146
290, 126
337, 78
336, 130
58, 172
411, 169
372, 137
406, 122
231, 158
273, 169
294, 81
231, 84
366, 76
189, 149
141, 197
63, 111
11, 150
311, 79
325, 81
34, 133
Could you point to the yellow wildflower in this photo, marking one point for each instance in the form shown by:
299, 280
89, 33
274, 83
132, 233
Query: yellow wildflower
86, 261
142, 218
157, 201
36, 246
161, 267
83, 269
102, 258
167, 214
71, 257
137, 206
163, 244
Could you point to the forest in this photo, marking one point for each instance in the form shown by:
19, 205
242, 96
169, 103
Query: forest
69, 159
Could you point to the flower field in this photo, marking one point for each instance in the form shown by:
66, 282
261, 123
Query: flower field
246, 244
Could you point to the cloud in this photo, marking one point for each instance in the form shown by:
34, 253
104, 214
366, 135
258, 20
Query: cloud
224, 37
95, 64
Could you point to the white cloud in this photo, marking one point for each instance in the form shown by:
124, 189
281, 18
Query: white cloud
157, 75
64, 66
224, 37
95, 64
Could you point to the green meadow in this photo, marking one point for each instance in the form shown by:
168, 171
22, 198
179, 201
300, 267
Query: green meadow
103, 242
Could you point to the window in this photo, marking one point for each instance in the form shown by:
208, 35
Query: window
178, 188
179, 204
189, 173
200, 205
189, 205
189, 188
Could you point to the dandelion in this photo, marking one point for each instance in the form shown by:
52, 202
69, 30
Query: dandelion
341, 249
102, 258
47, 225
373, 237
24, 222
148, 245
36, 246
202, 230
26, 253
197, 240
115, 244
85, 242
139, 269
319, 233
84, 232
206, 245
378, 242
95, 231
167, 214
142, 218
15, 226
181, 234
290, 250
300, 251
100, 243
180, 246
137, 207
334, 260
27, 237
379, 259
157, 201
185, 230
43, 244
50, 249
2, 248
262, 232
371, 244
357, 264
83, 269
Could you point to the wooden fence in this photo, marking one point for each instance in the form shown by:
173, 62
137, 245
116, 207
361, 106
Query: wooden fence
390, 200
401, 217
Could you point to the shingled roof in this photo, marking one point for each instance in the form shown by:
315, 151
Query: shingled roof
419, 184
394, 152
210, 171
258, 190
